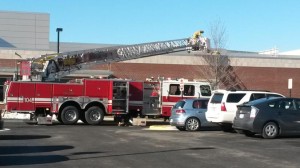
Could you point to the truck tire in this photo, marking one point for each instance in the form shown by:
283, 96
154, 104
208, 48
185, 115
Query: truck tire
94, 115
69, 115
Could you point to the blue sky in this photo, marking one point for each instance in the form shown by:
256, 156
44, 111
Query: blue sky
251, 25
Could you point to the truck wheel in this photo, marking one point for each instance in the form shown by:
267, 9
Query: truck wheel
94, 115
69, 115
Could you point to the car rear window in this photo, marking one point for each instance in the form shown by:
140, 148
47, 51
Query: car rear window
217, 98
235, 97
179, 104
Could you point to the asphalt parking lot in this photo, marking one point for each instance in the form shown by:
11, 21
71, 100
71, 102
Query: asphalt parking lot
29, 145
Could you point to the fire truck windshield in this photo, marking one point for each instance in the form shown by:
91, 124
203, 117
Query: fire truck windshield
205, 90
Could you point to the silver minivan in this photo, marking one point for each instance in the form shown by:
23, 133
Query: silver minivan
189, 114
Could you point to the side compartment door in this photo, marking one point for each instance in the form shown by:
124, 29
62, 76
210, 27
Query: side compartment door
151, 98
135, 96
120, 97
43, 95
26, 96
12, 99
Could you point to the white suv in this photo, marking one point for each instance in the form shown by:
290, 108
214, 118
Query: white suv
222, 104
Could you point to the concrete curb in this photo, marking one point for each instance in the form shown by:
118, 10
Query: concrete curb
162, 128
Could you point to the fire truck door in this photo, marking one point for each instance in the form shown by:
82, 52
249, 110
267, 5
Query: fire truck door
26, 96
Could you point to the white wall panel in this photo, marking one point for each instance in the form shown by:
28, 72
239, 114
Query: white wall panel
23, 30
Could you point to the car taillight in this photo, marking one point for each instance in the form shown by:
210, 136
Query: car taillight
253, 112
223, 107
180, 111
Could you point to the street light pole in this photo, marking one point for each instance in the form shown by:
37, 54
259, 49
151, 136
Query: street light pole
17, 65
58, 30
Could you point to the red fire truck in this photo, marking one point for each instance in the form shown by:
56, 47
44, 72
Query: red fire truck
91, 99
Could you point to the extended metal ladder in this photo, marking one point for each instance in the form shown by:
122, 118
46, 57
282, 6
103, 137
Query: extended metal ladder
55, 66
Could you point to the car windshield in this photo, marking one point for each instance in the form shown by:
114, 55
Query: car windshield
205, 90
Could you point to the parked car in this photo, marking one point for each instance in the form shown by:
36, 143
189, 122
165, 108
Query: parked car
222, 105
269, 117
189, 114
1, 120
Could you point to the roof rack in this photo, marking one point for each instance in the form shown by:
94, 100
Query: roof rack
233, 90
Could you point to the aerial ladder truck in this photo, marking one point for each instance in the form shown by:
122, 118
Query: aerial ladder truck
87, 99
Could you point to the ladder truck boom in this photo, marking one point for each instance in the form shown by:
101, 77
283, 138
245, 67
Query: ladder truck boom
55, 66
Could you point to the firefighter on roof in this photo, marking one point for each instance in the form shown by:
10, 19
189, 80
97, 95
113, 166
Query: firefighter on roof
198, 34
197, 41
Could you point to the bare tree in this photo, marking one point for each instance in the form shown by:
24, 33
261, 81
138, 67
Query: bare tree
218, 70
218, 35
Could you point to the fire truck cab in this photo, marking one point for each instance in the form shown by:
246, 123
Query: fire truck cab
156, 98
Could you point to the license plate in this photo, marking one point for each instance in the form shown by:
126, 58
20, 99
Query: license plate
241, 115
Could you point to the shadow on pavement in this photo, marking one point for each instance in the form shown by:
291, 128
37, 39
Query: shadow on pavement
210, 128
23, 137
30, 160
17, 159
145, 153
9, 150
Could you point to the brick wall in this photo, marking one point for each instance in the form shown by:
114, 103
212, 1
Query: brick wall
8, 63
256, 78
